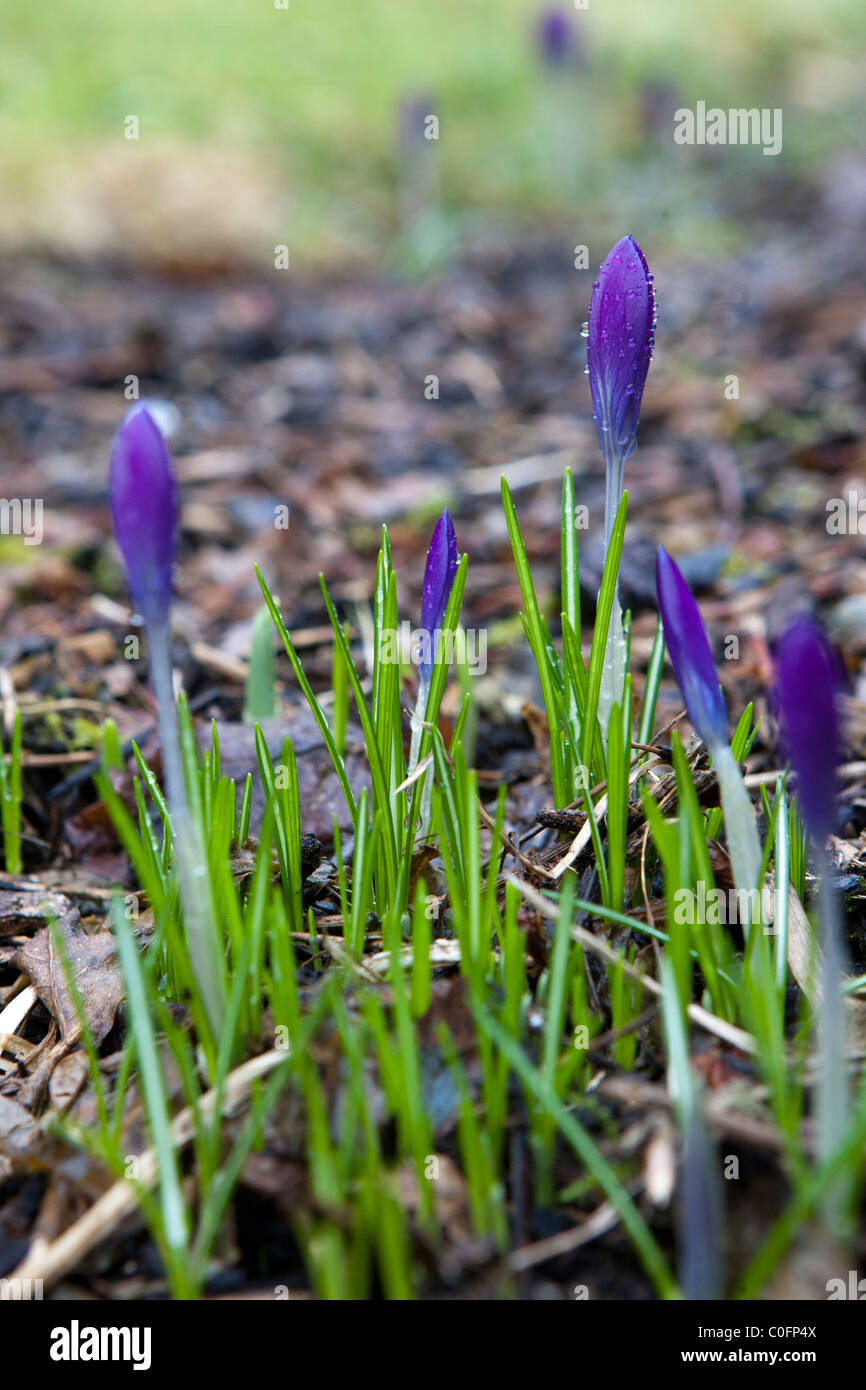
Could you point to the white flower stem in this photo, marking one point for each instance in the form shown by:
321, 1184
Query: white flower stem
832, 1094
613, 671
614, 483
414, 750
189, 850
744, 845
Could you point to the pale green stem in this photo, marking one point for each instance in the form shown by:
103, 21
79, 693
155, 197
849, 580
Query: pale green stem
744, 845
832, 1094
613, 671
189, 850
414, 750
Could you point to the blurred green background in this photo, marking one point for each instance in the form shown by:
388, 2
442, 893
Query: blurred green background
260, 125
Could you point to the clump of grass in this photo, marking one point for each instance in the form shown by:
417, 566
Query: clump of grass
372, 1208
11, 797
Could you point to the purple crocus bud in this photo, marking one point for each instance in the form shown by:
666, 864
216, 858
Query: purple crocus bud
690, 654
555, 36
144, 509
620, 332
439, 572
808, 680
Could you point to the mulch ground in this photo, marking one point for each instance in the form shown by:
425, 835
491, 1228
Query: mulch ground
314, 394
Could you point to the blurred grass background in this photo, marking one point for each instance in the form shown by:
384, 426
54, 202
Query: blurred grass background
261, 125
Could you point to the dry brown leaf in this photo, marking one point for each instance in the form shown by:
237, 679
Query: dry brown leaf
19, 1133
97, 978
26, 903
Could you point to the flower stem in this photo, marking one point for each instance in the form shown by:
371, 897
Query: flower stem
613, 671
832, 1098
414, 749
744, 845
189, 850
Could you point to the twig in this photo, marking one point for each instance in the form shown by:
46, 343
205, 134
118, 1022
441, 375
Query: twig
602, 1220
737, 1037
49, 1262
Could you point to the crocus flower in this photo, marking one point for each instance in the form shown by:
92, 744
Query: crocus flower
555, 36
692, 660
807, 689
439, 572
619, 348
690, 654
620, 332
144, 510
808, 681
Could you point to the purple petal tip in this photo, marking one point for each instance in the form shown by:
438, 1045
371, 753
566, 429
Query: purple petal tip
439, 572
144, 509
622, 315
689, 651
555, 36
808, 681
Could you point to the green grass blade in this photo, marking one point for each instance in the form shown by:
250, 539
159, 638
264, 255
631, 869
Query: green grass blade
579, 1140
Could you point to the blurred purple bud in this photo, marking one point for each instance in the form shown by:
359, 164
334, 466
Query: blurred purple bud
555, 36
622, 315
690, 654
144, 509
808, 681
439, 572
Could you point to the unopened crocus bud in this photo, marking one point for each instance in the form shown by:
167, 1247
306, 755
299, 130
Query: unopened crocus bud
692, 660
620, 343
144, 509
807, 691
808, 683
439, 572
620, 332
689, 650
